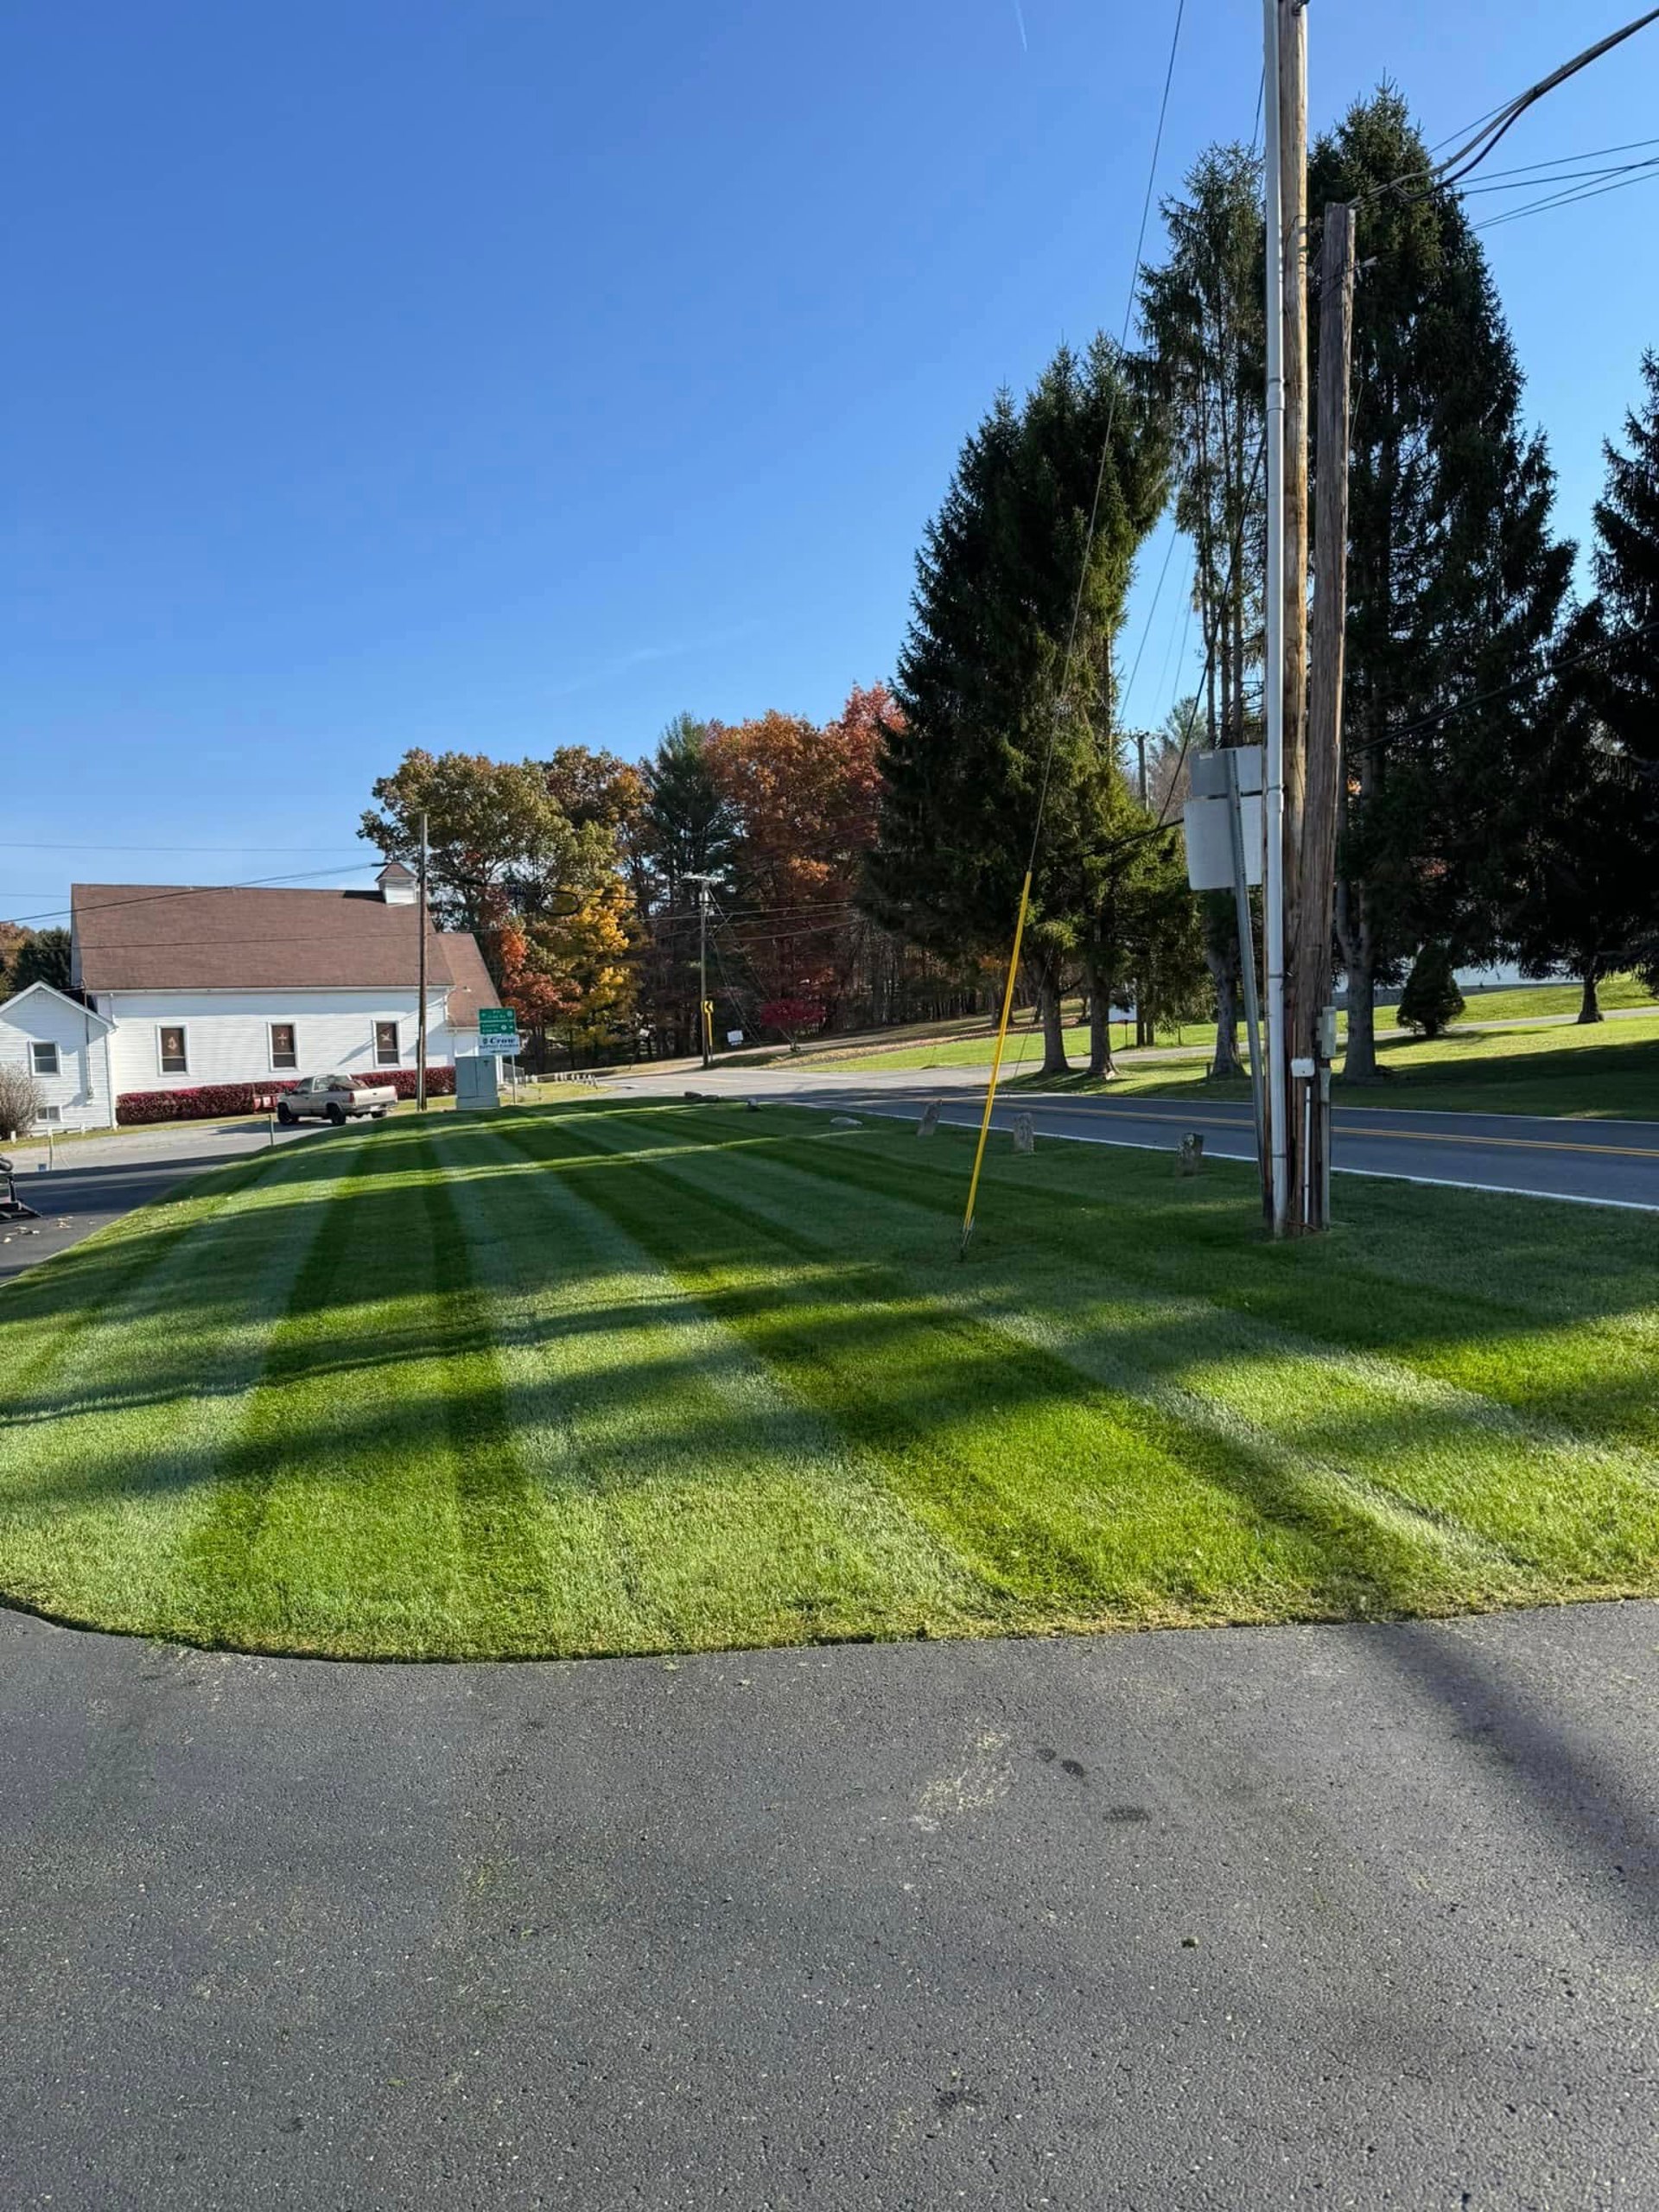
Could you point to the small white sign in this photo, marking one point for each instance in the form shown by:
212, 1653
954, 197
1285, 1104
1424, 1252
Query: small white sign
502, 1047
733, 1036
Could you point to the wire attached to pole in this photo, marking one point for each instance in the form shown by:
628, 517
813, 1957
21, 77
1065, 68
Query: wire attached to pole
1063, 695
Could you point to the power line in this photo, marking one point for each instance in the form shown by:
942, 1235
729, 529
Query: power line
1563, 161
182, 891
1471, 154
1497, 122
1506, 691
1069, 661
37, 845
1152, 612
1649, 170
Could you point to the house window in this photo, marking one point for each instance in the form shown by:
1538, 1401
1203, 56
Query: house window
50, 1114
284, 1050
175, 1060
387, 1052
45, 1058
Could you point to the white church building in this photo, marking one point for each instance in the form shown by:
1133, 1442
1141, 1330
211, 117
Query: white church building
173, 985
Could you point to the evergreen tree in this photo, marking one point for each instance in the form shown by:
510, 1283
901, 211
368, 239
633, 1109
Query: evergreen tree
1431, 1001
1622, 680
1455, 585
689, 828
979, 677
42, 957
686, 828
1202, 319
1586, 833
1627, 579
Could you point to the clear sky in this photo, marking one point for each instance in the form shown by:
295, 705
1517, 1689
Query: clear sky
506, 373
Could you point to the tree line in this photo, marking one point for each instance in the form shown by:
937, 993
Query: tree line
1500, 783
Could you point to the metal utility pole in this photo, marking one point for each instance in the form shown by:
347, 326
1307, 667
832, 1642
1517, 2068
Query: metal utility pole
420, 1020
1313, 1036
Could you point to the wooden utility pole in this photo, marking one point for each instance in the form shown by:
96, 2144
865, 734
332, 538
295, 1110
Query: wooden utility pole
1285, 584
420, 1019
1293, 212
1310, 951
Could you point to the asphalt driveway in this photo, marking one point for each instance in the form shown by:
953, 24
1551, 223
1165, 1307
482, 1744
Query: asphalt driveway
1338, 1917
97, 1180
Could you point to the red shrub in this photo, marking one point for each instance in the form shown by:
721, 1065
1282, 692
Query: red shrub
202, 1102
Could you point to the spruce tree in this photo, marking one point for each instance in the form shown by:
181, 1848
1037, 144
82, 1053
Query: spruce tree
1431, 1001
979, 678
1455, 583
1627, 579
1622, 680
1202, 319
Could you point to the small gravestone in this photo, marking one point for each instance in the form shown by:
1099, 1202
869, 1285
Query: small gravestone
1025, 1136
1189, 1159
930, 1120
845, 1121
751, 1105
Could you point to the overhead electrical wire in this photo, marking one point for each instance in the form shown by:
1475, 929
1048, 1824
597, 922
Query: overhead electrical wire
1542, 675
1487, 130
181, 891
1063, 695
1469, 156
1648, 171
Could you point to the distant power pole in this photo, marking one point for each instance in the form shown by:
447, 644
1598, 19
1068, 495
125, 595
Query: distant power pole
420, 1019
705, 1024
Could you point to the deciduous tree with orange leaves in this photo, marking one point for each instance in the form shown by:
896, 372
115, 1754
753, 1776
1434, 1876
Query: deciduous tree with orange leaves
804, 798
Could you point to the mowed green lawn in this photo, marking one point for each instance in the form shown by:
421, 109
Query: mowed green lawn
1609, 1071
622, 1377
1470, 1069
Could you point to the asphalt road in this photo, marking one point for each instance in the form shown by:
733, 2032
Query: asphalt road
1308, 1917
1610, 1163
98, 1180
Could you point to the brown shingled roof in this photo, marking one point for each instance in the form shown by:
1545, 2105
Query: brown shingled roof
139, 937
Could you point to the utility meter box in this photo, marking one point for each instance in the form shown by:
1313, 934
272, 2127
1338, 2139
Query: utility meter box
478, 1082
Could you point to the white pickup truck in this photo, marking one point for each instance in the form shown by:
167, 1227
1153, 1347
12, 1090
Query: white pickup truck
335, 1098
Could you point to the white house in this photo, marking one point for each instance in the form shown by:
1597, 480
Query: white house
66, 1046
184, 985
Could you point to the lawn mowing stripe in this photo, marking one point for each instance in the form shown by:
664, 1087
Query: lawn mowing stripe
1470, 1478
368, 1504
499, 1508
1460, 1446
1586, 1381
106, 1477
44, 1311
643, 1417
1078, 1502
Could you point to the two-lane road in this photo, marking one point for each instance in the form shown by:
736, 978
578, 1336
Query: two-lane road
1605, 1163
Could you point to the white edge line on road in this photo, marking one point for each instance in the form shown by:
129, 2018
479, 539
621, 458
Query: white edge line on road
1241, 1159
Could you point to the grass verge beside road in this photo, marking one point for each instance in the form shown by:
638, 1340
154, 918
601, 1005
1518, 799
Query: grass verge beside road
647, 1378
1611, 1072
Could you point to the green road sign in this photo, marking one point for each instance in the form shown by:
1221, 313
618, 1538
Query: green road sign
496, 1021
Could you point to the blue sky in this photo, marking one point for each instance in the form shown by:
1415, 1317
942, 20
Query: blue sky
504, 373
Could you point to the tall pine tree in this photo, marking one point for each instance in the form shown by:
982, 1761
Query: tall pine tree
1455, 583
979, 678
1202, 317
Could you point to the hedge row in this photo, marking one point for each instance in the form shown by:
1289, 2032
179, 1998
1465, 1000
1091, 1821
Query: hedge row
203, 1102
